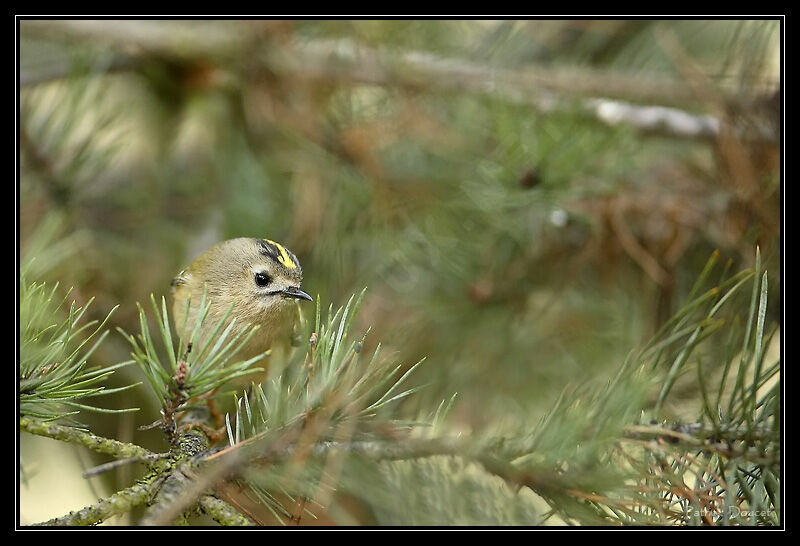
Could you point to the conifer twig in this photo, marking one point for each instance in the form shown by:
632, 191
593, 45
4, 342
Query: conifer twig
120, 502
611, 98
121, 450
172, 489
222, 512
650, 106
122, 462
180, 490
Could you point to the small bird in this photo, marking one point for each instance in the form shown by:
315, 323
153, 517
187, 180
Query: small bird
260, 277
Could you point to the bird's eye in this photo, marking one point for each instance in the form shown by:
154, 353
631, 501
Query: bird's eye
262, 279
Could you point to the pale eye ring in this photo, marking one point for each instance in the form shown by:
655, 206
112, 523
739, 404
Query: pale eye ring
262, 279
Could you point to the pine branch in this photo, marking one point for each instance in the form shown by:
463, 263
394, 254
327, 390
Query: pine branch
194, 367
181, 40
568, 459
611, 98
348, 60
180, 489
172, 491
100, 469
119, 503
222, 512
54, 378
607, 97
121, 450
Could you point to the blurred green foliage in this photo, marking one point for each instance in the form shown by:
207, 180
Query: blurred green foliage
518, 248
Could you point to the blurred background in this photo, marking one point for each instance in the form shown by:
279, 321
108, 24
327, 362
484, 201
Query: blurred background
526, 201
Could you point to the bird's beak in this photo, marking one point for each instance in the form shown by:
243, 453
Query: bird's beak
294, 292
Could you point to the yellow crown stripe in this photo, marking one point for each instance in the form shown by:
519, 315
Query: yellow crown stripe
285, 258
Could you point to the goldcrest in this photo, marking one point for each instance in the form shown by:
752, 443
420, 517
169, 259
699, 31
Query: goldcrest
260, 277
